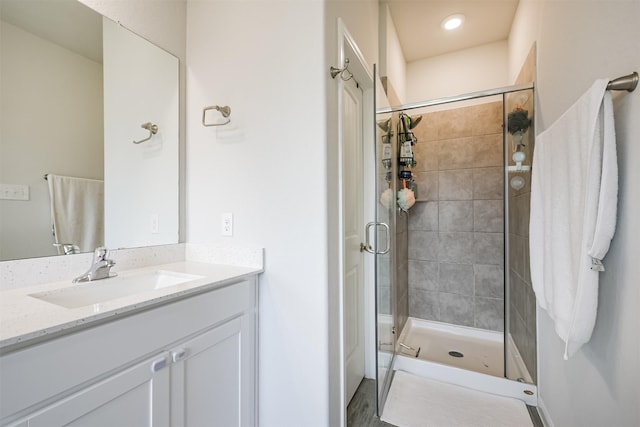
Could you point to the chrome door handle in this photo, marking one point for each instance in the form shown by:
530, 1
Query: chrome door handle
366, 246
388, 235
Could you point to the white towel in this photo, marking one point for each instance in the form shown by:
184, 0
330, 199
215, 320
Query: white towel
77, 211
574, 195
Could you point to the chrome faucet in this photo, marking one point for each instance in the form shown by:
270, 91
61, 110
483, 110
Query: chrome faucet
68, 248
100, 268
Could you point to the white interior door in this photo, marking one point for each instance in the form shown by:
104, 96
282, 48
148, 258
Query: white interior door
353, 226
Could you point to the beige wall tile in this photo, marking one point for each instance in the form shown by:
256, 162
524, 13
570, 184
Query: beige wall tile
488, 216
427, 129
453, 124
487, 150
424, 216
488, 183
455, 184
487, 118
455, 215
456, 153
427, 183
426, 155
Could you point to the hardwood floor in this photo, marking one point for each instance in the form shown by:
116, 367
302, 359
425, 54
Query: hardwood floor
361, 411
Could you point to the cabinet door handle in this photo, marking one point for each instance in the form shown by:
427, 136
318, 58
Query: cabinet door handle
179, 355
159, 364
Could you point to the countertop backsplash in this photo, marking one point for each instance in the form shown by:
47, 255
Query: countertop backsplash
37, 271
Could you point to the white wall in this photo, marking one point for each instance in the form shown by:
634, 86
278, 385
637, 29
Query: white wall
275, 168
464, 71
525, 29
51, 123
141, 180
393, 65
600, 385
268, 167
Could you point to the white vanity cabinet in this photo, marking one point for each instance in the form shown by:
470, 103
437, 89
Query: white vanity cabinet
189, 362
137, 396
207, 381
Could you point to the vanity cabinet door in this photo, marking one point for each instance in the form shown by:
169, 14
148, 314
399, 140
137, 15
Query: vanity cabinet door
213, 377
138, 396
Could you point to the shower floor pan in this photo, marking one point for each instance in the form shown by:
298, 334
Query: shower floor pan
464, 356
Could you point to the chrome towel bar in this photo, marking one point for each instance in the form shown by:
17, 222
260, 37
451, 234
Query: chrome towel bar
628, 82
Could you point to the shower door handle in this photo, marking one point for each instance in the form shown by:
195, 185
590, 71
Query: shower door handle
366, 246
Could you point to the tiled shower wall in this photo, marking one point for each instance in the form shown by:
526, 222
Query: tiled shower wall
455, 230
522, 300
402, 268
399, 252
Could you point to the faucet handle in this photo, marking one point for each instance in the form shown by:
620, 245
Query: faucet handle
100, 254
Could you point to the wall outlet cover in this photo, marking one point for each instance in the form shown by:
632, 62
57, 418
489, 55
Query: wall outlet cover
227, 224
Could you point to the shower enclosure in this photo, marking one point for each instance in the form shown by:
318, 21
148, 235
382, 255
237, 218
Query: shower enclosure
454, 300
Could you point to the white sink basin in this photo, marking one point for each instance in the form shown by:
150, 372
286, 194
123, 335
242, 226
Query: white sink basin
99, 291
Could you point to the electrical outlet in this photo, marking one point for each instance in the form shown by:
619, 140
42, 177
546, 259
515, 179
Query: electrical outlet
155, 224
227, 224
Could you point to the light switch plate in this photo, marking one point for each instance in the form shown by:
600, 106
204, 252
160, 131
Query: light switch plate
14, 192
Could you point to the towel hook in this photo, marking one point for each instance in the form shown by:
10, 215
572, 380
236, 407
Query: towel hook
334, 71
152, 128
224, 110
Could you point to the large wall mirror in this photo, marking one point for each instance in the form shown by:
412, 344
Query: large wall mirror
78, 93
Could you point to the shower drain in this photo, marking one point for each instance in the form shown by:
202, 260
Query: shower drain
455, 354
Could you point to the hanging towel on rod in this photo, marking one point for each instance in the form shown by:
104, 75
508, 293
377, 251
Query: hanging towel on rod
77, 211
574, 195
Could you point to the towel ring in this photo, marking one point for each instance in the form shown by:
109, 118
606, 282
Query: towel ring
225, 111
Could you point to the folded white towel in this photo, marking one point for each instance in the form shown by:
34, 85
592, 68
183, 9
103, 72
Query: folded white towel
574, 192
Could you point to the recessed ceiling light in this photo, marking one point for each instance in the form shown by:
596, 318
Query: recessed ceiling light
452, 22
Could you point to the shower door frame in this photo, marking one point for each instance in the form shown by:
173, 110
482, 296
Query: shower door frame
383, 384
502, 91
464, 97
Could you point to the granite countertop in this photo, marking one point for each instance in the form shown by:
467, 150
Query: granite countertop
25, 319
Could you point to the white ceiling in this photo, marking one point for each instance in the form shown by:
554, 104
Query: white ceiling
417, 23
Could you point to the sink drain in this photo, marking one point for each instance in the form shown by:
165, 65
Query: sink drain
456, 354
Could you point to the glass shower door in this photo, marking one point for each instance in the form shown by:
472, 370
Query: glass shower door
520, 306
383, 247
